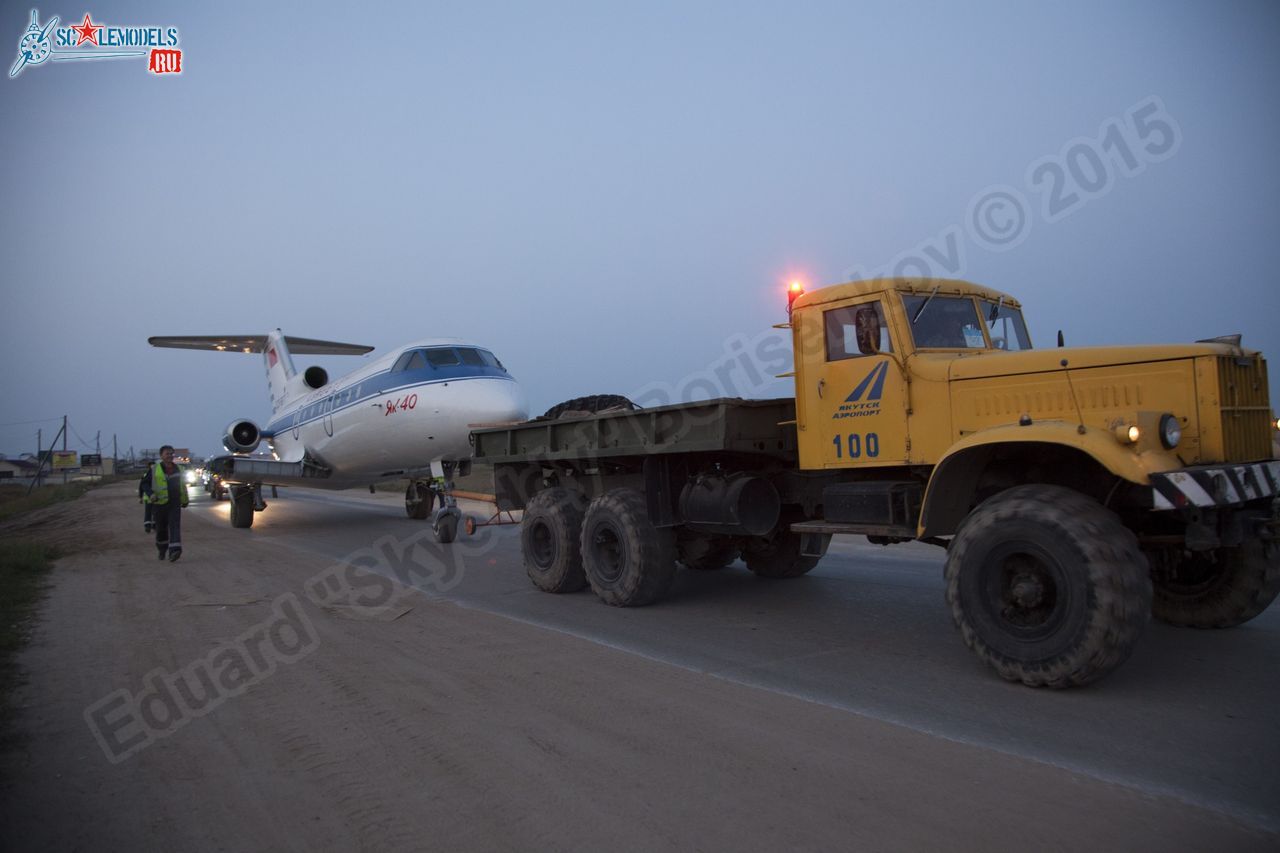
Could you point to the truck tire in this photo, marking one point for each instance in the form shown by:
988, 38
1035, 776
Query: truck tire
628, 561
418, 500
550, 540
1199, 591
705, 553
1047, 587
579, 406
778, 556
241, 506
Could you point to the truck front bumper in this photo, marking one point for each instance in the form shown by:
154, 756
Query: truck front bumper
1206, 486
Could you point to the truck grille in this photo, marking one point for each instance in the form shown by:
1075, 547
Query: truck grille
1246, 409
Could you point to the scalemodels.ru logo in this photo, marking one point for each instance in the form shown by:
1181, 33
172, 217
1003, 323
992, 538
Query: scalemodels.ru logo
43, 43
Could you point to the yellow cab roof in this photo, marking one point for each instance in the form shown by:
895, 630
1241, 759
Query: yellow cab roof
907, 286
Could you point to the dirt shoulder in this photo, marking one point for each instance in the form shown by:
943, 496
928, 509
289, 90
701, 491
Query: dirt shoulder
309, 727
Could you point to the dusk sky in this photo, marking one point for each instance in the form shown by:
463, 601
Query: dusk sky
612, 196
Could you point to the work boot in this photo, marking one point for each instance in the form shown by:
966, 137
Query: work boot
174, 554
162, 553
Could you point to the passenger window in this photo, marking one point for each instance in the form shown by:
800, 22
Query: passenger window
856, 330
442, 357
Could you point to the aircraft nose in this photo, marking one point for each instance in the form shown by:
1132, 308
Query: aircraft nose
504, 402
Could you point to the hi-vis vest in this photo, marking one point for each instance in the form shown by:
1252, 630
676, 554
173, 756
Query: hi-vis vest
160, 485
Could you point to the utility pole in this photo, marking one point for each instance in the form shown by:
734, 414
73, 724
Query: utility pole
64, 447
39, 451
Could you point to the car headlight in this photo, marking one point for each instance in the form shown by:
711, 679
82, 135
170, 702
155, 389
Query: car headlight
1170, 431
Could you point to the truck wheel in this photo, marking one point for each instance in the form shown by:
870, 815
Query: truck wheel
418, 500
550, 540
1047, 586
705, 553
778, 556
241, 506
589, 405
628, 561
1219, 589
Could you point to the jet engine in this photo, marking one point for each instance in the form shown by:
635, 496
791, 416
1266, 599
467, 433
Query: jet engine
315, 377
242, 437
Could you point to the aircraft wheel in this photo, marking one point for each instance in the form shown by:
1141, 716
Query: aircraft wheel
418, 500
446, 525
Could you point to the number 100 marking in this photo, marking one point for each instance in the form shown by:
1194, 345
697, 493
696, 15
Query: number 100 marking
857, 443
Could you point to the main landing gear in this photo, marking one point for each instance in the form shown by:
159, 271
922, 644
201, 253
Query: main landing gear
421, 495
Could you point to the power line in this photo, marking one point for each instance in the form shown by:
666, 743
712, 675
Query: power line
26, 423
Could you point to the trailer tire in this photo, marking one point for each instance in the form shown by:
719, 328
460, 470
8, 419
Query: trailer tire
241, 506
1047, 587
418, 500
1201, 592
580, 406
550, 540
628, 561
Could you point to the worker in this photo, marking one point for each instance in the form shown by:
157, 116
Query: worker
142, 499
166, 490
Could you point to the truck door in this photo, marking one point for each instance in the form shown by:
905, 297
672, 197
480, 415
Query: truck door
856, 394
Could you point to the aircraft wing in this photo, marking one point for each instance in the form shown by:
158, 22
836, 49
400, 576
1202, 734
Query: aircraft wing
256, 343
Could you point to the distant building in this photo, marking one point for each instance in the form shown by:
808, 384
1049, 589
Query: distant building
14, 468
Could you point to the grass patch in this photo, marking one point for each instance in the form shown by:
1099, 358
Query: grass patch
14, 500
24, 571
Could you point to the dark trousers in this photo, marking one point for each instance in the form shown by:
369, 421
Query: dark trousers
168, 519
146, 513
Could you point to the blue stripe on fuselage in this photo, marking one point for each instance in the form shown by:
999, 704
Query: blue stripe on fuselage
380, 384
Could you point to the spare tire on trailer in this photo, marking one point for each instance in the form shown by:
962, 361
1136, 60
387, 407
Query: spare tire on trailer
594, 404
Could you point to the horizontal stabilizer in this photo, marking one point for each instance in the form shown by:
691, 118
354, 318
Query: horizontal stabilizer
257, 343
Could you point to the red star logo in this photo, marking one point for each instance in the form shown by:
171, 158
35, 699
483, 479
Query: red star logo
87, 32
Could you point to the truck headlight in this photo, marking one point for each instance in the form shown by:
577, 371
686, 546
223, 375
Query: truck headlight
1170, 431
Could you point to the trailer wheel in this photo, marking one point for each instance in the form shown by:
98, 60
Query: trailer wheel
705, 553
550, 537
241, 506
1219, 589
418, 500
628, 561
1047, 586
778, 556
579, 406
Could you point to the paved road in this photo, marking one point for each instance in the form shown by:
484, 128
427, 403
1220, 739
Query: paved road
1190, 715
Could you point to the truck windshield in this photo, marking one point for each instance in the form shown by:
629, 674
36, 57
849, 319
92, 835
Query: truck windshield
947, 322
1005, 326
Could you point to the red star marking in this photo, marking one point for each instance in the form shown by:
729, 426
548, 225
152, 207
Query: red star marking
87, 31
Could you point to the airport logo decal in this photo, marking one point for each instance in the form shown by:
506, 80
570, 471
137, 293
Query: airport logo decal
97, 41
855, 406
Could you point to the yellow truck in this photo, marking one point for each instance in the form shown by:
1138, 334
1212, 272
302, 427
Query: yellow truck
1077, 491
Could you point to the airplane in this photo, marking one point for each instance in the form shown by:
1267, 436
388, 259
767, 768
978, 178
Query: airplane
406, 415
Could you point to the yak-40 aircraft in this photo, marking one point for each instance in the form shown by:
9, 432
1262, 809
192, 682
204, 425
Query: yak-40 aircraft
406, 415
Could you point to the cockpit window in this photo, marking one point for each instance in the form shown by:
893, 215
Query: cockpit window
413, 360
1005, 326
441, 357
944, 322
470, 356
490, 359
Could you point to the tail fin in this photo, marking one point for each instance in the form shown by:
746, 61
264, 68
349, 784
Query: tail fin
280, 368
276, 348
